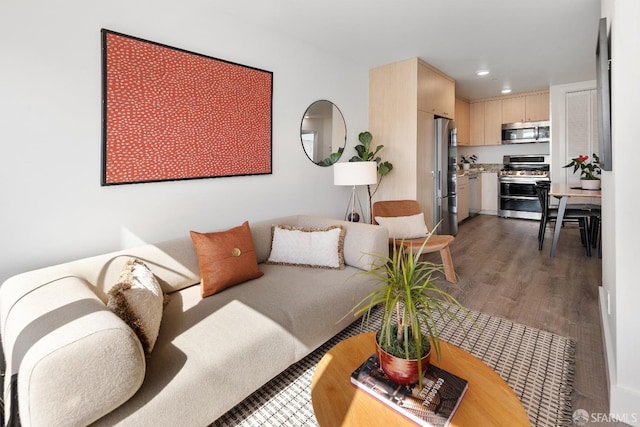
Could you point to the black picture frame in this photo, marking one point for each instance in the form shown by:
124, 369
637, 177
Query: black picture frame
603, 95
171, 114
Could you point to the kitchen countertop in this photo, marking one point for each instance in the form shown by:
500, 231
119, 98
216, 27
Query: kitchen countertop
474, 172
481, 168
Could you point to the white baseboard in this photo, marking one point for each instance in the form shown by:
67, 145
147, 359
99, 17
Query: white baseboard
623, 401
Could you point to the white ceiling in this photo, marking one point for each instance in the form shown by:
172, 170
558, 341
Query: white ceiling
527, 44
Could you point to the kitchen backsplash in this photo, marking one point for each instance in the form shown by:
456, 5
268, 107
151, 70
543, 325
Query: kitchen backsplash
484, 167
493, 154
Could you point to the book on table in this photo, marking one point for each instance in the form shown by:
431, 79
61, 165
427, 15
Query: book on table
433, 405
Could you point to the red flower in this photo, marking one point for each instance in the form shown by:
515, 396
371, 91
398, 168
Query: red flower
582, 158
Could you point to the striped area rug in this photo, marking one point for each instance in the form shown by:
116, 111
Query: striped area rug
538, 365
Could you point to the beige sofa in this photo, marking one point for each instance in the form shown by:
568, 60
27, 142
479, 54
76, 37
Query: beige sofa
76, 363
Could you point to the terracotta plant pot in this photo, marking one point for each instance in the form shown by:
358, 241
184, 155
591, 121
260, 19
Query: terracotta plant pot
400, 370
590, 184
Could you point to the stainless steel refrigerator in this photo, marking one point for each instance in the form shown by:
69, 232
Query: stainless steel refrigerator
445, 199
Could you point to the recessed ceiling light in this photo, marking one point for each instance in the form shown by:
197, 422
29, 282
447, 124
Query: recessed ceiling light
482, 72
506, 90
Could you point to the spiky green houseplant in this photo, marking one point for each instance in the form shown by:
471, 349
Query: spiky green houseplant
411, 302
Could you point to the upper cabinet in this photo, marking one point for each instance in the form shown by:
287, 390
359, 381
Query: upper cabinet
493, 122
486, 122
537, 107
514, 109
476, 123
462, 121
436, 91
526, 108
486, 116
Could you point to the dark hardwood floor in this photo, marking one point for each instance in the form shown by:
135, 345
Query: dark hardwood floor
502, 273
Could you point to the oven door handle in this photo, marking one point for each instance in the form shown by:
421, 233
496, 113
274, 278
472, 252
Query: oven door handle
510, 180
503, 196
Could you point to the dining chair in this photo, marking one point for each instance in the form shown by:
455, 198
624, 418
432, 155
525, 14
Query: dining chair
578, 214
435, 243
595, 229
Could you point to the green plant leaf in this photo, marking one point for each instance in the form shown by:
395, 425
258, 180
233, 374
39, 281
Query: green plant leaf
384, 168
333, 157
365, 138
363, 153
378, 148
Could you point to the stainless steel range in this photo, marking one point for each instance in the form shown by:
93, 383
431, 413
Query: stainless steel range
517, 182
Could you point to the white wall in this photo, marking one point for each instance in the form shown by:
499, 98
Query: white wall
53, 207
621, 205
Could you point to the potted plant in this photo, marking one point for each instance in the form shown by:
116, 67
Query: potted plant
589, 171
364, 154
410, 302
466, 161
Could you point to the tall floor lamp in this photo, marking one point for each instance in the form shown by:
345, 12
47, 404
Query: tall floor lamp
354, 174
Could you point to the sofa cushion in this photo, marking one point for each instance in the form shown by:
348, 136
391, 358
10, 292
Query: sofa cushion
226, 258
404, 227
137, 299
307, 246
218, 350
75, 359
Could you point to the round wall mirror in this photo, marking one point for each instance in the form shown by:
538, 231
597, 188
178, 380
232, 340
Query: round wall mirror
323, 133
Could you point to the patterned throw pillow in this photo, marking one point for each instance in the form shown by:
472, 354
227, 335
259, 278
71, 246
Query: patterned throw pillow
226, 258
308, 247
138, 300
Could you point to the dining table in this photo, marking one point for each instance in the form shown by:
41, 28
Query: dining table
563, 192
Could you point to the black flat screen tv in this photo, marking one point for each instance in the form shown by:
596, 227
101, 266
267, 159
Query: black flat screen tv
603, 78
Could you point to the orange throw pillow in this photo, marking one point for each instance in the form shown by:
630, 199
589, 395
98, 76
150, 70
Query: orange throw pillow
226, 258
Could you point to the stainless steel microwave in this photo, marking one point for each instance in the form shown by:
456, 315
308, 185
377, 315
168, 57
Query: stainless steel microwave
519, 133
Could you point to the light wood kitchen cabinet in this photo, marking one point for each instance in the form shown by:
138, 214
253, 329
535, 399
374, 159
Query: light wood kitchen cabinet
400, 119
476, 123
486, 122
462, 122
537, 107
514, 109
463, 197
526, 108
436, 91
445, 97
493, 122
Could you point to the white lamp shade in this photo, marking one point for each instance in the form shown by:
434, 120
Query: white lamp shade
355, 173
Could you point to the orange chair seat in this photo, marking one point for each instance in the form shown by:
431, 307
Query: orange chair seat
436, 243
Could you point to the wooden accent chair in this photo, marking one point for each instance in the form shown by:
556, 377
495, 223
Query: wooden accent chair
395, 208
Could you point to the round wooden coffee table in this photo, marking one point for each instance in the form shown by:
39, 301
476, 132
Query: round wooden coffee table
489, 401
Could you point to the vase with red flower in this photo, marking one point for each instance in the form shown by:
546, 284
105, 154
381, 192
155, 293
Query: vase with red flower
589, 171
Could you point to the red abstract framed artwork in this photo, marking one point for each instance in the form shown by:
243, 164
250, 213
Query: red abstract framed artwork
171, 114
